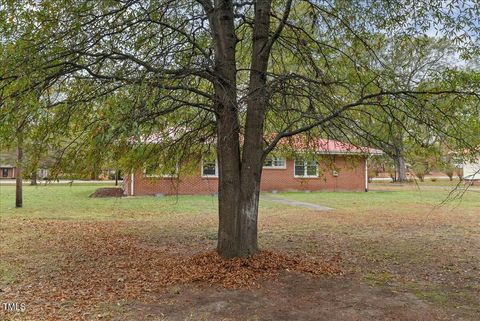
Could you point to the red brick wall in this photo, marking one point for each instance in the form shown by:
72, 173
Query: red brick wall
475, 182
351, 177
11, 173
155, 185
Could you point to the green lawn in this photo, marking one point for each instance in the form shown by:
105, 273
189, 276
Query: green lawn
393, 199
401, 239
73, 202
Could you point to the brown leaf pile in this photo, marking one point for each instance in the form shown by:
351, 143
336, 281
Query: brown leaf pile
243, 272
93, 263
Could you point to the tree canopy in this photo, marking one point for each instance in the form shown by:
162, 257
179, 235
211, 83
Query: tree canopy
239, 75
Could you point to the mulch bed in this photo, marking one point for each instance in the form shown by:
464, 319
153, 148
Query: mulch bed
108, 192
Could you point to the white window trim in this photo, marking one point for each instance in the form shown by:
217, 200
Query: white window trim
209, 176
161, 175
304, 167
277, 167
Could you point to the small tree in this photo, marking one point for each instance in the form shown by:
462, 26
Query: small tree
421, 168
449, 170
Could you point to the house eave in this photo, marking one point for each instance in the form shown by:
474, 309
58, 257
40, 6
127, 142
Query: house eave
349, 153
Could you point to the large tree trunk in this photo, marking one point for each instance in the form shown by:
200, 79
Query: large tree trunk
228, 153
398, 156
239, 174
19, 172
33, 178
401, 167
253, 156
228, 128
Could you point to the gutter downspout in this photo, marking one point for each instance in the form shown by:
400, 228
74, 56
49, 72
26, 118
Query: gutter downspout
366, 174
132, 184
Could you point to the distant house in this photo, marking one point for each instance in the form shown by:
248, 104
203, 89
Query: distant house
7, 171
331, 166
471, 172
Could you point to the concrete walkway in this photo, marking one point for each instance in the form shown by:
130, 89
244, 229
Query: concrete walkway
285, 201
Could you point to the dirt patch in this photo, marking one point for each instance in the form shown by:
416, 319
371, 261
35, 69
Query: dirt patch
108, 192
290, 297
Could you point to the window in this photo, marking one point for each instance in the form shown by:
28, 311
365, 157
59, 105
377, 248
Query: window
275, 162
4, 172
159, 170
209, 167
306, 168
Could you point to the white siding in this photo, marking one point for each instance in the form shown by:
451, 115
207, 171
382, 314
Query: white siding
472, 170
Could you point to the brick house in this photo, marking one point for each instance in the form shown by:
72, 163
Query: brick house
333, 166
7, 171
